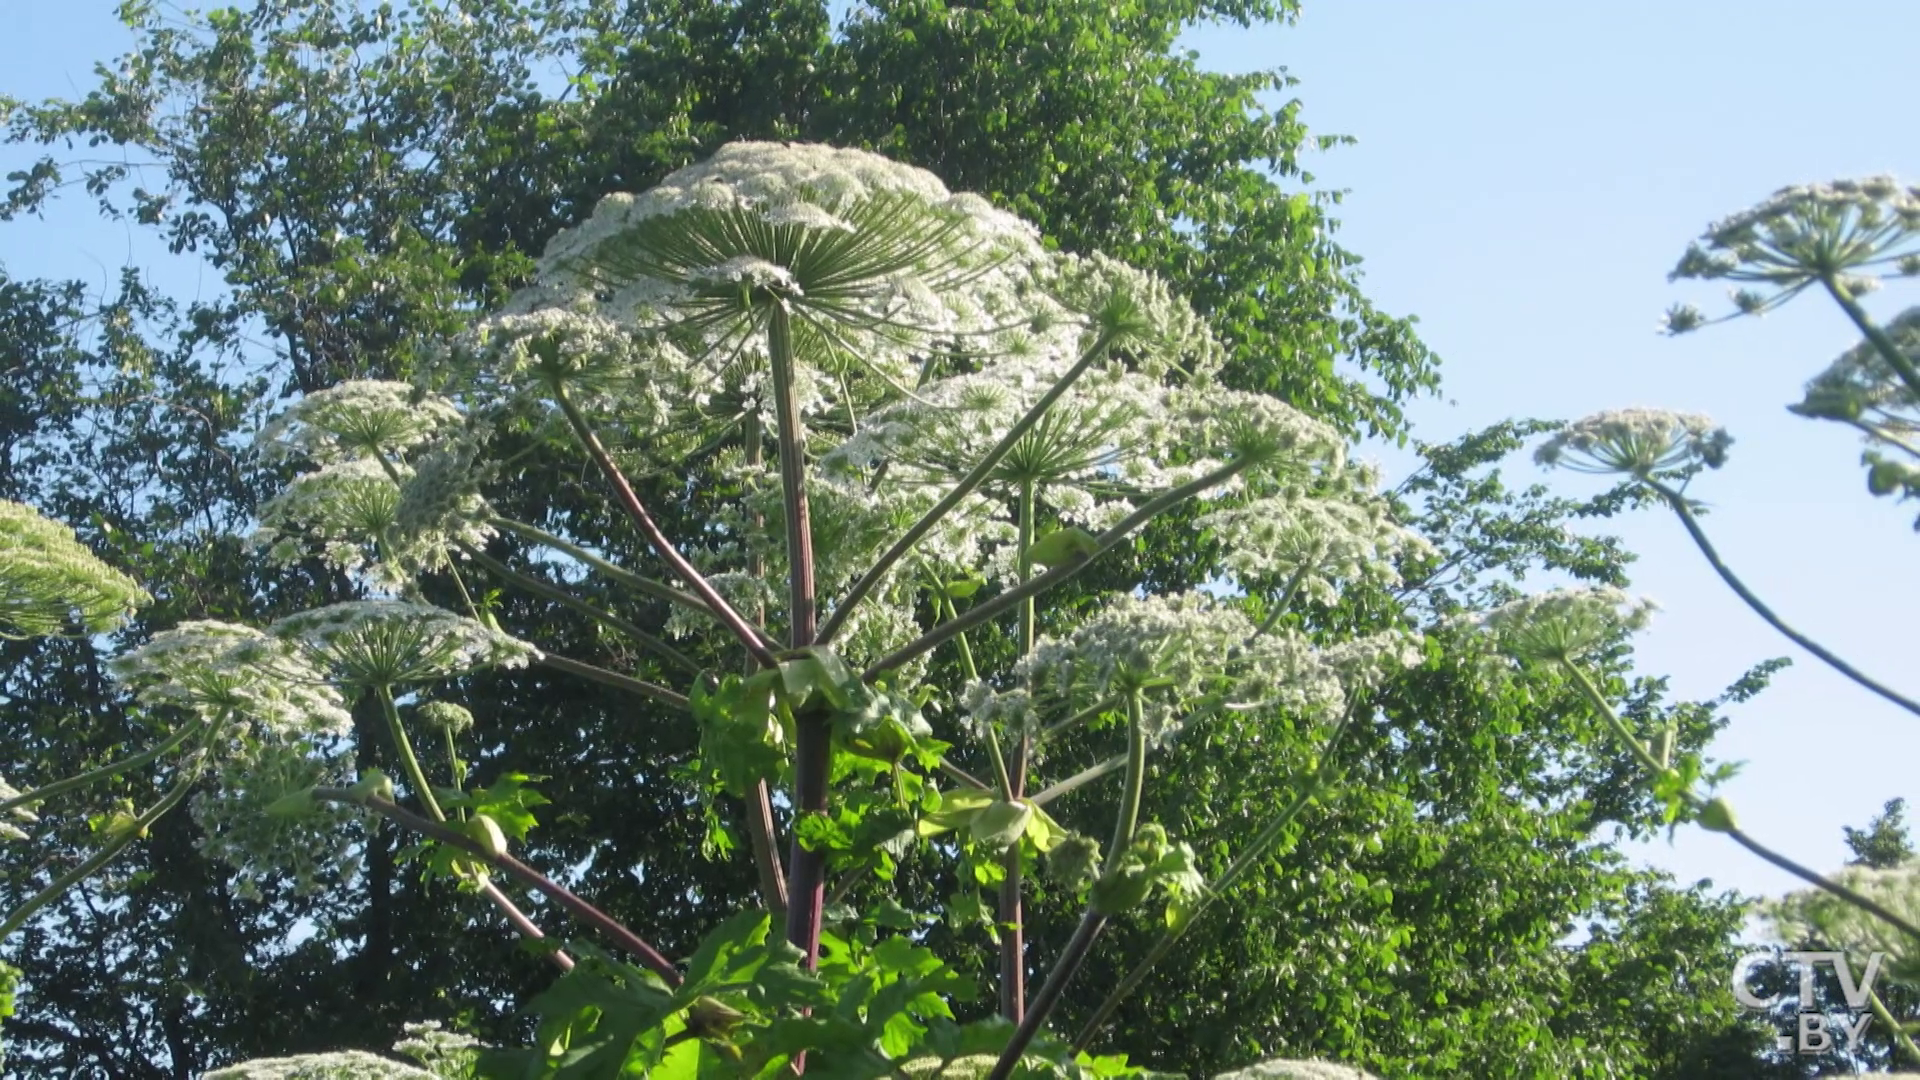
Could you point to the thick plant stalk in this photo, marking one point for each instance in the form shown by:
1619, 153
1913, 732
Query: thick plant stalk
1103, 543
1685, 513
759, 802
531, 584
968, 485
659, 590
1013, 930
813, 749
1125, 823
514, 868
1071, 958
635, 509
1900, 1038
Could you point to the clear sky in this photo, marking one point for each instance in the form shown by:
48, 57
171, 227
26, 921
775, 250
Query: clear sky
1527, 172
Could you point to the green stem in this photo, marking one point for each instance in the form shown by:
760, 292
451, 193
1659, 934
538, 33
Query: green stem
72, 783
1071, 957
1013, 920
1600, 705
108, 852
1077, 780
564, 598
637, 511
1889, 351
968, 484
973, 675
1065, 571
409, 761
1128, 817
1685, 513
1081, 717
1282, 605
615, 679
761, 836
456, 769
1900, 1038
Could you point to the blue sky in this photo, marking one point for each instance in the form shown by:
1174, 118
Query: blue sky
1526, 174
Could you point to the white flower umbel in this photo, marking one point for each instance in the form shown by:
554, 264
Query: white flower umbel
1860, 387
1849, 232
1817, 916
51, 584
875, 260
440, 506
448, 1054
339, 1065
1185, 652
387, 643
360, 419
1647, 443
316, 849
601, 362
221, 670
346, 510
1312, 544
1163, 333
1564, 624
1219, 425
1109, 438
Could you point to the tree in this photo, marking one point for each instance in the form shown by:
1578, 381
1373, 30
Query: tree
268, 147
1884, 843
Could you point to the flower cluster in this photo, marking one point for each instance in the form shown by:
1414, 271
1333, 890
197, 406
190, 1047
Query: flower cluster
1186, 652
876, 261
239, 824
1861, 386
444, 716
448, 1054
360, 419
1845, 234
348, 508
339, 1065
1312, 544
234, 673
387, 643
1646, 443
50, 582
1564, 624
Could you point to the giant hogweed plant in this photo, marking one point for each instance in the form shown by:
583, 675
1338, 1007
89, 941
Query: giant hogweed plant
921, 423
1842, 240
